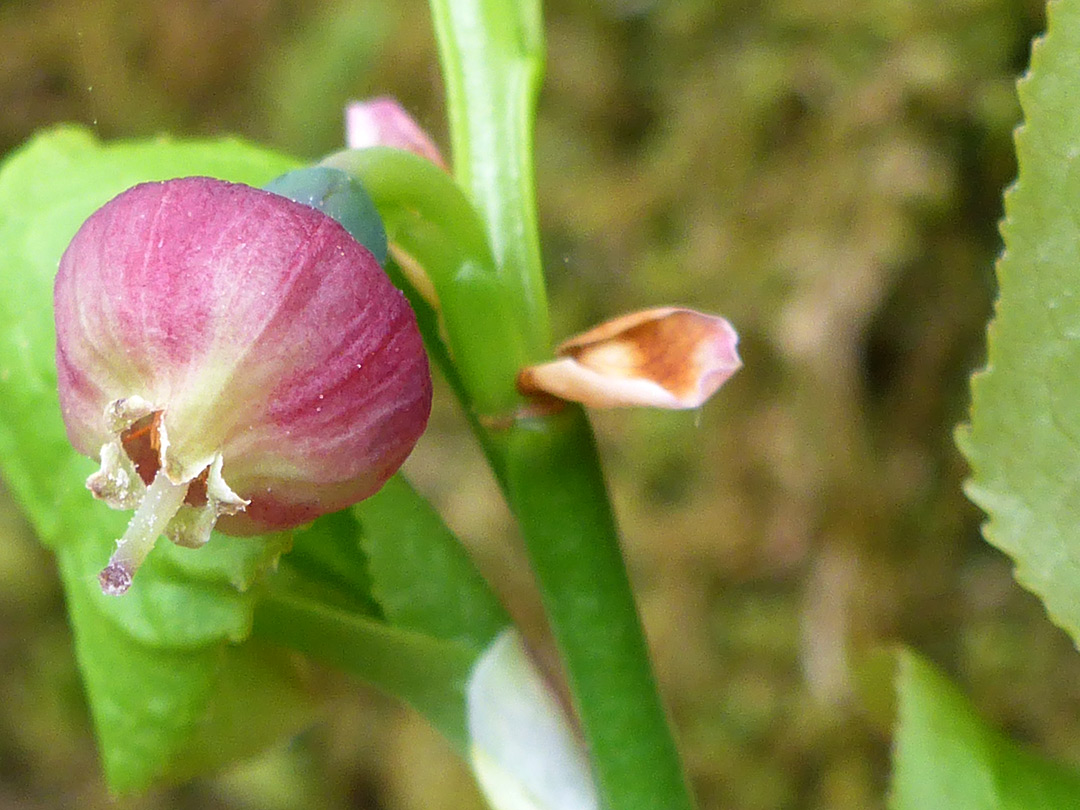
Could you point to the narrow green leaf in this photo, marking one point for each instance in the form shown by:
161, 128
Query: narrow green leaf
327, 554
945, 756
423, 578
1024, 439
423, 619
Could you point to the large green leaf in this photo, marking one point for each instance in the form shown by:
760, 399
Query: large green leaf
1024, 439
945, 756
155, 661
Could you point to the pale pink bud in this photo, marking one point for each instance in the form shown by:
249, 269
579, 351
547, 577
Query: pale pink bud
663, 358
384, 122
232, 358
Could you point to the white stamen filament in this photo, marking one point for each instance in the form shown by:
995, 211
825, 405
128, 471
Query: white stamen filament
162, 500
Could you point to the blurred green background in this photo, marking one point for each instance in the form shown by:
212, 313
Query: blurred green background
829, 177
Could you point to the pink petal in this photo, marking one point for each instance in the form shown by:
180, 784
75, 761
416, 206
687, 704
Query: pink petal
261, 330
384, 122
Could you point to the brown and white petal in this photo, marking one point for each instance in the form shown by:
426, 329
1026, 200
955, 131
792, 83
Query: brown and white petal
667, 357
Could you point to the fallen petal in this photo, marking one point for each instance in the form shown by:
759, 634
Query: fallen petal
664, 358
522, 747
384, 122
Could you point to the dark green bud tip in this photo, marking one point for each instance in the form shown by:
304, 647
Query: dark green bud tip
339, 195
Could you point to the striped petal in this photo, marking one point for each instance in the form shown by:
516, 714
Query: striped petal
218, 333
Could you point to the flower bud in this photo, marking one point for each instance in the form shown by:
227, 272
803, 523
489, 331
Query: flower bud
233, 358
383, 122
340, 196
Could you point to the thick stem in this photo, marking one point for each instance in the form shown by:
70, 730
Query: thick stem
162, 500
559, 497
492, 57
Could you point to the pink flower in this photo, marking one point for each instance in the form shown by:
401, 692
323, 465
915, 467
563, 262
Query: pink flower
232, 358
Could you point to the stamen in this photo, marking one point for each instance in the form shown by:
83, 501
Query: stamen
162, 500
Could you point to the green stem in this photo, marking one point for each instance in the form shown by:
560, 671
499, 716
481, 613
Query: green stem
428, 321
492, 58
558, 494
492, 53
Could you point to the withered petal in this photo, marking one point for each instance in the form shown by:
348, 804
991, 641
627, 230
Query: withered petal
668, 357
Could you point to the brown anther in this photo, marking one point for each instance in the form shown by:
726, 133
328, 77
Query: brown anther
142, 443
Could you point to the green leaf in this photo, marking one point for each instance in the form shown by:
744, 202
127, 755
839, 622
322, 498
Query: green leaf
1024, 439
260, 693
428, 673
327, 555
423, 578
164, 713
154, 661
946, 756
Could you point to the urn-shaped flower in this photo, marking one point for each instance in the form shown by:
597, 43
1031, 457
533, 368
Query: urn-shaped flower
234, 358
